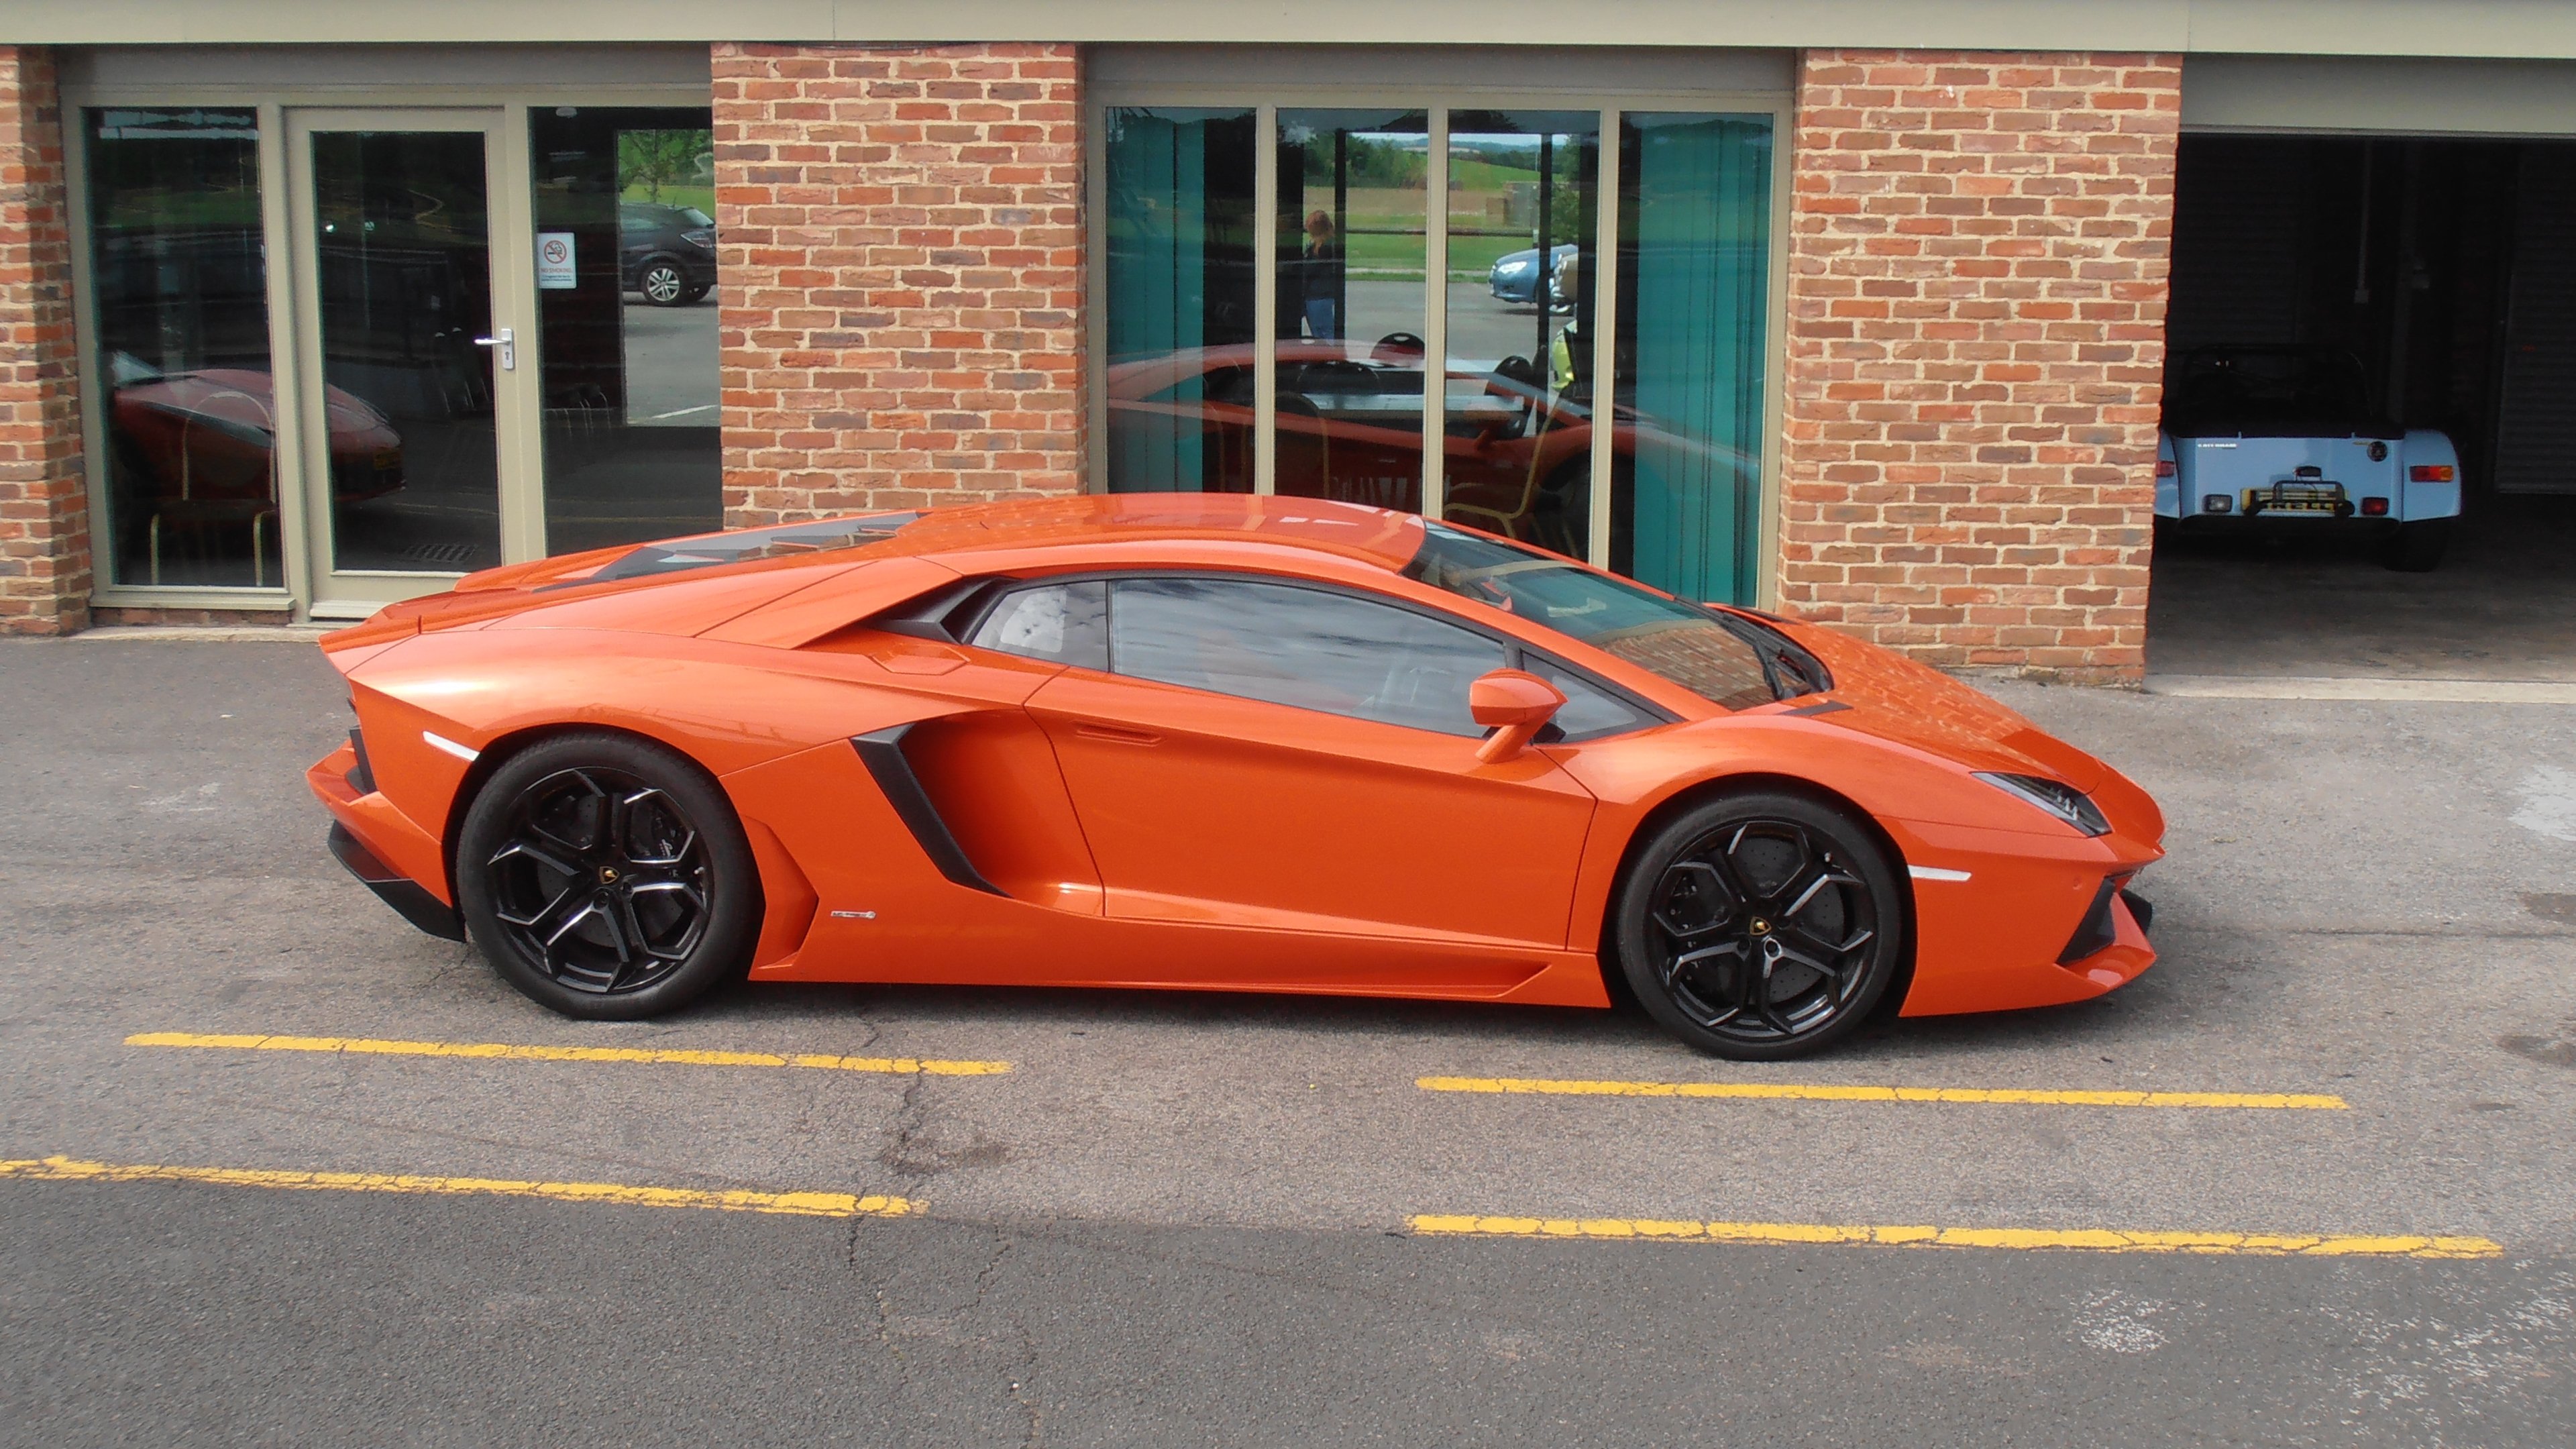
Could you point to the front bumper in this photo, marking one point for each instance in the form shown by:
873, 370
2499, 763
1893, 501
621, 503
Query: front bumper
394, 888
380, 845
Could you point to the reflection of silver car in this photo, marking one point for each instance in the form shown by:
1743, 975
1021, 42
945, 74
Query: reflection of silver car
1514, 277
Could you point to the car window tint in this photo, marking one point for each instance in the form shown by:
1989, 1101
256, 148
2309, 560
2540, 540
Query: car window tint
1063, 623
1590, 711
1302, 647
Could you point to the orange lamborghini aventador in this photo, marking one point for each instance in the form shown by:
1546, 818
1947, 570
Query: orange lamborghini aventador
1212, 742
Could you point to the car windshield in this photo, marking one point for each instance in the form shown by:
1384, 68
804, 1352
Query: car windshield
1731, 661
2294, 388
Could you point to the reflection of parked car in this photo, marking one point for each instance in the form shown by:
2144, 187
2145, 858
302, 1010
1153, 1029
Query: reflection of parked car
2258, 437
668, 253
1517, 459
1515, 275
197, 450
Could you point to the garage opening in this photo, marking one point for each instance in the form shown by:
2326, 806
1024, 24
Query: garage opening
2438, 277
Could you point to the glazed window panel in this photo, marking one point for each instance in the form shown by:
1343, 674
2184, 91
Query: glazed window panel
1177, 233
1694, 270
1524, 222
625, 279
179, 299
1352, 252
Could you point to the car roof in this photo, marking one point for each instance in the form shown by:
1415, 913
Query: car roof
1383, 537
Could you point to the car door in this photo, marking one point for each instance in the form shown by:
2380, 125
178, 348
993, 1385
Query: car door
1265, 753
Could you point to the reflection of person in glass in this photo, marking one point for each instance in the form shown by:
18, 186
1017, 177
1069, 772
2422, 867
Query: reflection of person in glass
1321, 277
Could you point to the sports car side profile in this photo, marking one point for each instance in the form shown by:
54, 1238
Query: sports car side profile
1212, 742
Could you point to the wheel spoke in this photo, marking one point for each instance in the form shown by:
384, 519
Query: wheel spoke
522, 850
1807, 894
632, 830
1693, 900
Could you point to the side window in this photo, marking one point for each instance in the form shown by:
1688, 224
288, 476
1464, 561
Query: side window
1061, 623
1302, 647
1590, 711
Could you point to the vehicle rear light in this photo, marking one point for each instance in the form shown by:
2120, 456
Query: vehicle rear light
2431, 473
2217, 503
2164, 467
2374, 508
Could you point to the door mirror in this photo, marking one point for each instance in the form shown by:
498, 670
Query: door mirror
1515, 705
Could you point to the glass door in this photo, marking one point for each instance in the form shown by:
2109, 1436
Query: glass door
409, 436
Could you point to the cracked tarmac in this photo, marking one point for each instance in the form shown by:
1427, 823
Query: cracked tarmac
1181, 1219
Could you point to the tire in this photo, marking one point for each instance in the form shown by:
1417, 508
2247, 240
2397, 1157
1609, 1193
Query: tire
607, 877
694, 294
1795, 887
2417, 548
664, 283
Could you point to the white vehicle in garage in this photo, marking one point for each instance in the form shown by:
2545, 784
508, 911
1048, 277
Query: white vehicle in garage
2285, 437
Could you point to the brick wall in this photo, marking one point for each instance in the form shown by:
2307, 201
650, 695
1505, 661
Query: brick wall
1977, 260
44, 506
900, 275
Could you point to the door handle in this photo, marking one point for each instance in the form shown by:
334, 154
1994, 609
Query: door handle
1116, 735
509, 348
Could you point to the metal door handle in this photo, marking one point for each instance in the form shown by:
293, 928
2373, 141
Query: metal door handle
509, 348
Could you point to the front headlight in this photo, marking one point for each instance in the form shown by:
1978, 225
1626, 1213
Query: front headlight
2063, 801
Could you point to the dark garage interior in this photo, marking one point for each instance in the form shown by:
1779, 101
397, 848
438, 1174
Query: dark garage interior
2448, 267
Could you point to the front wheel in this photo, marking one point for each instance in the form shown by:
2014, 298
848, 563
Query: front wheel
1760, 926
664, 284
607, 877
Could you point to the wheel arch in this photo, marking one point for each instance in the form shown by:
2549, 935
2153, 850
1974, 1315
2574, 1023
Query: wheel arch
505, 748
1698, 792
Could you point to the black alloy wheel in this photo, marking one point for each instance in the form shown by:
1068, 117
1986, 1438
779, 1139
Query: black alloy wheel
1760, 927
607, 877
664, 284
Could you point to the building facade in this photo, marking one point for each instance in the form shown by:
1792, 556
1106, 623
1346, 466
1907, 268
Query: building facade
1857, 313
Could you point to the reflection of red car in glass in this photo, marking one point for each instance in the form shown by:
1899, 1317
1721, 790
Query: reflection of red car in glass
197, 450
1516, 456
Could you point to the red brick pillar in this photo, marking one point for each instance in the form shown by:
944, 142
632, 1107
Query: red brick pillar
899, 239
44, 503
1977, 262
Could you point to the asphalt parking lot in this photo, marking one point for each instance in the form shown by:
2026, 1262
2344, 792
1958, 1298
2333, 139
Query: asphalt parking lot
1077, 1219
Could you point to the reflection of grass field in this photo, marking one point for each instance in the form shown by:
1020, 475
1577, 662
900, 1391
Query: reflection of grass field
1386, 225
1469, 256
701, 197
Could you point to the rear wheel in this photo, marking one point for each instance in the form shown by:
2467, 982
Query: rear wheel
2417, 548
1760, 926
607, 877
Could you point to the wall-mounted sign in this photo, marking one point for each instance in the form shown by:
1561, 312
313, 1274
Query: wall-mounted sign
554, 261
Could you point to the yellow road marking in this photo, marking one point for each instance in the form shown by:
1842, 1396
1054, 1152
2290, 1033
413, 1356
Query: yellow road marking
1787, 1091
794, 1204
364, 1046
2097, 1240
